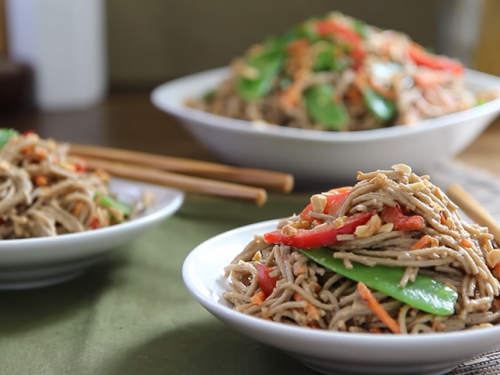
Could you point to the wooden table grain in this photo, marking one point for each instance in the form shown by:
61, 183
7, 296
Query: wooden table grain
128, 120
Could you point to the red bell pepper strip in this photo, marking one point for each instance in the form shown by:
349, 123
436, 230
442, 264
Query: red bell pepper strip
345, 35
81, 165
94, 224
402, 222
329, 27
323, 235
266, 282
334, 201
421, 57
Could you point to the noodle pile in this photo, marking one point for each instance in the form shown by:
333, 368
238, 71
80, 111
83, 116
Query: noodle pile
45, 193
447, 248
373, 78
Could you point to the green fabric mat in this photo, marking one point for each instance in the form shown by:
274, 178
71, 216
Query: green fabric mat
133, 315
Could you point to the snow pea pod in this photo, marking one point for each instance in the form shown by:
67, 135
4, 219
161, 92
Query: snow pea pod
109, 201
328, 60
381, 107
322, 108
424, 293
5, 135
266, 66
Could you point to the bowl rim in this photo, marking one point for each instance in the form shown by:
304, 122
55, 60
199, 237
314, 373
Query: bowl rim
179, 109
311, 334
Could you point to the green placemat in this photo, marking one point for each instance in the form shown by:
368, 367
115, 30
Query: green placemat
132, 313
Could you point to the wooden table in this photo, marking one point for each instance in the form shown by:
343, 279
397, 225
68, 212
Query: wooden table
129, 120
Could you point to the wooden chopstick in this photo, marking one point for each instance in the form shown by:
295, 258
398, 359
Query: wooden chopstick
247, 176
474, 209
179, 181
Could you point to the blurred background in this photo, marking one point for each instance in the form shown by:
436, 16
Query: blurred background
92, 62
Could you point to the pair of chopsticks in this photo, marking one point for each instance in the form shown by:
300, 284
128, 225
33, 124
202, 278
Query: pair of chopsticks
185, 174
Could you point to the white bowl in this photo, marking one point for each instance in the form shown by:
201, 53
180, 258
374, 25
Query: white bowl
327, 352
37, 262
325, 156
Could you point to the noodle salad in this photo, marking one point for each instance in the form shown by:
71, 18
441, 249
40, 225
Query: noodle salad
337, 73
389, 255
44, 192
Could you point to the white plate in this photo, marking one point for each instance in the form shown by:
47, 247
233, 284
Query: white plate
322, 156
327, 352
36, 262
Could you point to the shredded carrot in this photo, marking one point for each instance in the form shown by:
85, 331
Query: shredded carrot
310, 309
377, 308
466, 243
354, 95
443, 218
40, 180
382, 90
429, 78
424, 241
375, 330
27, 149
291, 96
40, 153
77, 208
496, 271
496, 304
258, 297
360, 80
298, 47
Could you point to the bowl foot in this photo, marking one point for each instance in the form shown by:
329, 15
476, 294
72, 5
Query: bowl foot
372, 370
40, 281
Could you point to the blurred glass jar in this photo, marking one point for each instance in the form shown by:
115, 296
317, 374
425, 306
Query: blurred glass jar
63, 41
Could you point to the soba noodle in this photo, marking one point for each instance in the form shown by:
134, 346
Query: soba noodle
458, 254
45, 193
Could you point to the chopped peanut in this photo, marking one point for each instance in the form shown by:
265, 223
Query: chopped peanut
370, 228
403, 168
450, 224
288, 230
386, 228
299, 269
339, 222
437, 192
302, 224
249, 72
102, 174
318, 202
68, 166
493, 258
257, 256
417, 186
379, 179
